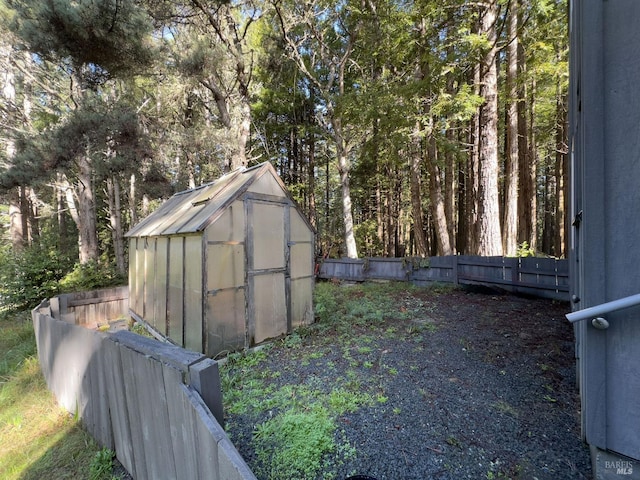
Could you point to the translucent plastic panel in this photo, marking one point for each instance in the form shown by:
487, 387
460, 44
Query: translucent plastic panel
225, 322
140, 277
151, 225
168, 220
150, 280
230, 226
302, 301
300, 230
267, 185
161, 285
269, 306
193, 293
301, 260
225, 266
182, 219
133, 277
268, 235
175, 298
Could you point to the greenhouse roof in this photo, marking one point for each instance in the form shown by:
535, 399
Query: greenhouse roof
191, 211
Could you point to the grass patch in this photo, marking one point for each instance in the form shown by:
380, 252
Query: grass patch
297, 415
342, 308
37, 438
293, 443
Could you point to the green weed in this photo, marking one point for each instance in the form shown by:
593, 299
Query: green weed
504, 407
101, 465
292, 444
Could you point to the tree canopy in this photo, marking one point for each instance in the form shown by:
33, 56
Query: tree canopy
401, 127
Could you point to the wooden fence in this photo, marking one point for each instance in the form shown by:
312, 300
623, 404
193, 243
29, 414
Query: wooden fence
540, 277
158, 406
91, 308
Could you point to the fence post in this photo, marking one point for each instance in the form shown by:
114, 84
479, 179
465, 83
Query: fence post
455, 269
204, 377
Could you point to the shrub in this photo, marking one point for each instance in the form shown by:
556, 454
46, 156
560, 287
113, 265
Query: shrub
42, 271
29, 276
90, 276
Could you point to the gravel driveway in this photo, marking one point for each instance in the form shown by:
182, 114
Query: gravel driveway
476, 385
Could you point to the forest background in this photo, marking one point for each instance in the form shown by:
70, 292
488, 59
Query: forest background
424, 127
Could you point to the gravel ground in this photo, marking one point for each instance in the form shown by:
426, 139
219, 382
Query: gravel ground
479, 385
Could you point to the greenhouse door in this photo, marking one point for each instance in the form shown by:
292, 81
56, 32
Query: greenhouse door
267, 268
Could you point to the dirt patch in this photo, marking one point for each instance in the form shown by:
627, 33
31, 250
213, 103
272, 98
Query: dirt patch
465, 385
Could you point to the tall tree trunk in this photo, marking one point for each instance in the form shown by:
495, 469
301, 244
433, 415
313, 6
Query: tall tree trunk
510, 218
437, 201
450, 190
64, 242
526, 194
25, 214
34, 214
86, 212
532, 156
380, 205
489, 237
416, 193
327, 205
472, 182
344, 169
388, 213
16, 230
115, 222
311, 179
547, 204
462, 235
561, 172
133, 203
244, 129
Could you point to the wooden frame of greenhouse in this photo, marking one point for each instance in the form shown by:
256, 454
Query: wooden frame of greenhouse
224, 266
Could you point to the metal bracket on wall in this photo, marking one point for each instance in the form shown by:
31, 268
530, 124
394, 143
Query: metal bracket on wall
595, 313
577, 220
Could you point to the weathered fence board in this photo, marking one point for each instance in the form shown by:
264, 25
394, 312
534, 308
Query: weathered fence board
157, 405
90, 308
542, 277
121, 424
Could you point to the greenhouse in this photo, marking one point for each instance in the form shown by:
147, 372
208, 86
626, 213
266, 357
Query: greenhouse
224, 266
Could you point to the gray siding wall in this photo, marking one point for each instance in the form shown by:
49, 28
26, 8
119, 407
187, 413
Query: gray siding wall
605, 144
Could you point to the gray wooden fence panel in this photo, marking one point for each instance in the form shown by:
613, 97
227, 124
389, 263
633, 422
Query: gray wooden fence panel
435, 269
96, 412
131, 395
133, 406
345, 268
387, 268
182, 426
232, 467
542, 277
155, 421
121, 424
90, 308
208, 434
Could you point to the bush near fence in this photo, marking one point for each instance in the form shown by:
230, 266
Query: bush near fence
158, 406
540, 277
